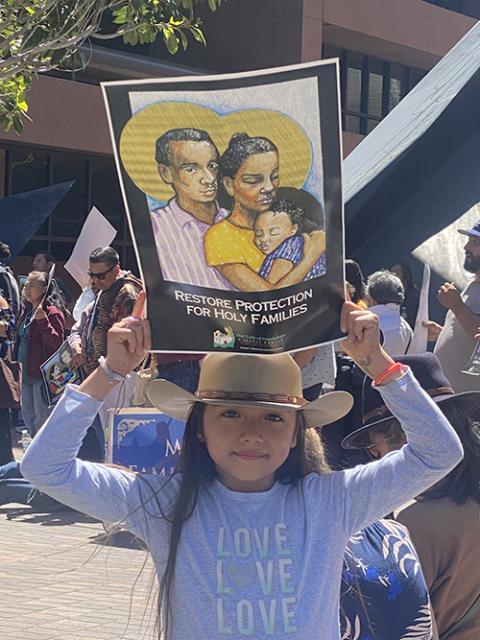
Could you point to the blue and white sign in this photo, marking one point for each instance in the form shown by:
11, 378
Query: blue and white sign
144, 440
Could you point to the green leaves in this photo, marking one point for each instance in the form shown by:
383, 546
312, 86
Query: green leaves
13, 102
198, 35
40, 35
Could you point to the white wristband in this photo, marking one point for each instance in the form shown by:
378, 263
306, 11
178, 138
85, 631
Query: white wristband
112, 375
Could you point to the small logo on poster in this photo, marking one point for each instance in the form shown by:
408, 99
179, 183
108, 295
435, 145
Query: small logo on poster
224, 339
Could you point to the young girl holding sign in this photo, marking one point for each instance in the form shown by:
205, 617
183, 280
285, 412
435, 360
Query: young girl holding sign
248, 537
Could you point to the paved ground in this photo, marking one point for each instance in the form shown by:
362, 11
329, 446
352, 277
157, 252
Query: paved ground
59, 582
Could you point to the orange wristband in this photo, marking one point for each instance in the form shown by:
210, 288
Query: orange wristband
393, 368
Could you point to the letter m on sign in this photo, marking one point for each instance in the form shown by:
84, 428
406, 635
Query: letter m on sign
171, 450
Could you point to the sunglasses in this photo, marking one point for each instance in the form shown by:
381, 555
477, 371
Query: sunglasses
100, 275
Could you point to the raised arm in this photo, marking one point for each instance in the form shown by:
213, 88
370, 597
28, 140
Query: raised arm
433, 448
50, 462
50, 326
450, 297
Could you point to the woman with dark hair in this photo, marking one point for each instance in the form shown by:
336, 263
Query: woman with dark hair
444, 520
409, 306
251, 176
40, 333
355, 283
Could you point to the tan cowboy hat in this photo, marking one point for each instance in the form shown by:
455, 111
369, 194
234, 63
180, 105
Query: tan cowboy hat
260, 381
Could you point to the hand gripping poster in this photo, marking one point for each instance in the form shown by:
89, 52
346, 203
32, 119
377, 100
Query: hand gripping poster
232, 188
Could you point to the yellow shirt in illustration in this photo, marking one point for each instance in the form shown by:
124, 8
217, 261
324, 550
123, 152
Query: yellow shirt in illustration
225, 243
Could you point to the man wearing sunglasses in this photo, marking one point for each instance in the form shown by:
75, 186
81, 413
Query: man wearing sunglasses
117, 293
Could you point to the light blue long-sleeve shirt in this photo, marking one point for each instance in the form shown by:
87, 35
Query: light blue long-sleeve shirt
260, 565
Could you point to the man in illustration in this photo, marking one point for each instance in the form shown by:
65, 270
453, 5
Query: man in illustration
187, 160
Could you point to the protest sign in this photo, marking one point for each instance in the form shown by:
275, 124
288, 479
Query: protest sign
233, 193
96, 232
144, 440
473, 365
58, 371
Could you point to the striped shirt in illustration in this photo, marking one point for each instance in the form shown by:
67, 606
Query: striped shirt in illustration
179, 238
291, 249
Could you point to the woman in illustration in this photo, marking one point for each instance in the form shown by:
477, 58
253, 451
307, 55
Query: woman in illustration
280, 235
250, 168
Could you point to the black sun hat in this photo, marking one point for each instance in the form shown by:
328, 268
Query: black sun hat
428, 371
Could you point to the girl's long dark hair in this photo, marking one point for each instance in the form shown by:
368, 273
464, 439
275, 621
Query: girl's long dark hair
197, 468
464, 481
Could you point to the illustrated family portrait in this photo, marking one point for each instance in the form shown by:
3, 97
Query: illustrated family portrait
58, 371
233, 188
230, 222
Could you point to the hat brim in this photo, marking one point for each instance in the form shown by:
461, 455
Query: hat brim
469, 400
467, 232
176, 402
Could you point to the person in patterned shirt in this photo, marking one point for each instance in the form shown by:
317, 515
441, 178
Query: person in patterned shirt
383, 592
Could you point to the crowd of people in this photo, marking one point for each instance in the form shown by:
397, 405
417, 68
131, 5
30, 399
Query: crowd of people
296, 508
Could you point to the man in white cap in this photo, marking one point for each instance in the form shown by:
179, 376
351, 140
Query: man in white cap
456, 340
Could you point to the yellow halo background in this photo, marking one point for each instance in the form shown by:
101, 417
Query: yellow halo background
137, 141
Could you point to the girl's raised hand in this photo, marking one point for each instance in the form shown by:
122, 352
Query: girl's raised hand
128, 340
362, 343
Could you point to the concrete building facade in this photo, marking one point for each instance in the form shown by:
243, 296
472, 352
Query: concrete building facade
385, 47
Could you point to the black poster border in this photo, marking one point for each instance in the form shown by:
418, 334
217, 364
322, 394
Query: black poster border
172, 330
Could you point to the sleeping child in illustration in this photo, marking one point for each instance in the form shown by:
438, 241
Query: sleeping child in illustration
279, 235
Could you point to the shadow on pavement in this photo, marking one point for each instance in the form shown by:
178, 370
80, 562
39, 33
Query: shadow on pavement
118, 538
55, 518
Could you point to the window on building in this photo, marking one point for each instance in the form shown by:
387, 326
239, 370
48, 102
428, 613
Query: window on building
453, 5
96, 184
467, 7
69, 215
370, 88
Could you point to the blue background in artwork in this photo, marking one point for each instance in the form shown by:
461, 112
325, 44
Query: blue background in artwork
144, 447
